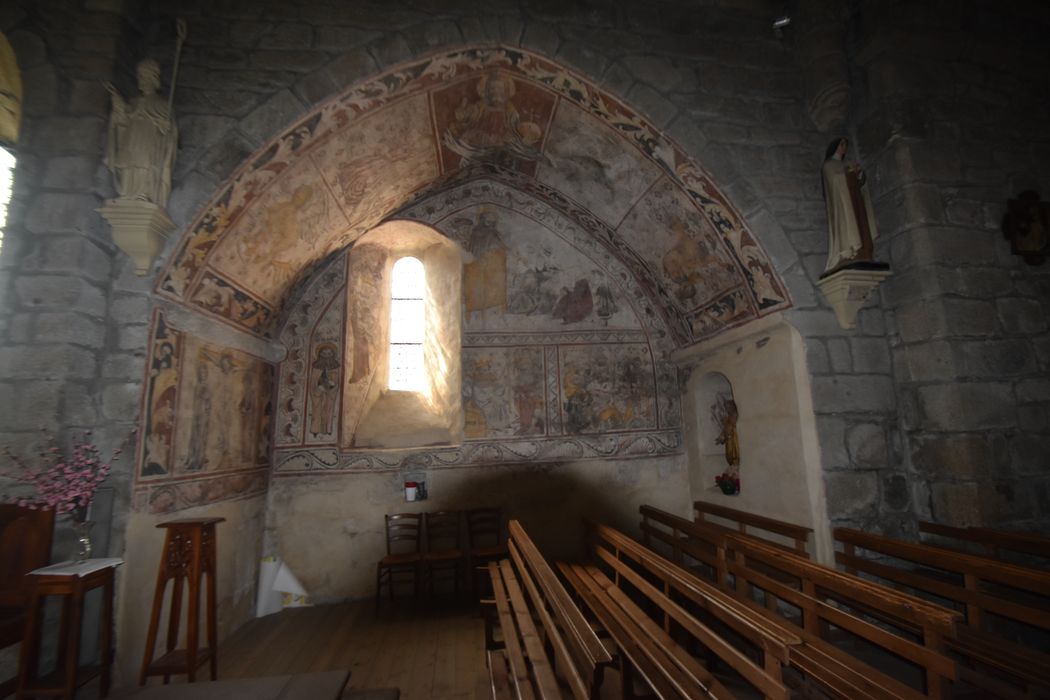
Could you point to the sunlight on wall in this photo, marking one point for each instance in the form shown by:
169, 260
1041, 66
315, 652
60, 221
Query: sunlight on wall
7, 172
407, 325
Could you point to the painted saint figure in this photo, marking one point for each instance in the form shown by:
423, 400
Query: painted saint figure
491, 128
197, 458
323, 389
140, 151
851, 221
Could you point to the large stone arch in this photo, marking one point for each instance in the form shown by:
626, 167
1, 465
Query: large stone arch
223, 264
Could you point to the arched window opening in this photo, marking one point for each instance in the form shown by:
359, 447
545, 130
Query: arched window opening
407, 325
7, 174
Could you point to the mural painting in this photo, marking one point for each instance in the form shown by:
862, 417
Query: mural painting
503, 392
606, 388
220, 413
594, 165
280, 235
492, 119
161, 399
325, 291
525, 277
209, 411
325, 375
377, 145
683, 248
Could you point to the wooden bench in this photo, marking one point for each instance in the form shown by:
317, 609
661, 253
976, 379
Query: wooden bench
701, 542
884, 621
999, 600
25, 545
998, 544
796, 536
652, 647
526, 590
825, 665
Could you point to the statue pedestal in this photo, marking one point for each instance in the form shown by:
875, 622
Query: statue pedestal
847, 290
139, 229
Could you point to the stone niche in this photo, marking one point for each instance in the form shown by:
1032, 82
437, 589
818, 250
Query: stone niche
764, 364
373, 415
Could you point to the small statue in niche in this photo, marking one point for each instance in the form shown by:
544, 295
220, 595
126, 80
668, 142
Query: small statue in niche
725, 414
851, 221
140, 151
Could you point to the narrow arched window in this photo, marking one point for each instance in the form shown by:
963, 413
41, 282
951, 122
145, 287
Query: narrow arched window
408, 287
7, 172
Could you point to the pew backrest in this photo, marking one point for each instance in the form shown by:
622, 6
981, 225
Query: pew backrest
994, 543
756, 525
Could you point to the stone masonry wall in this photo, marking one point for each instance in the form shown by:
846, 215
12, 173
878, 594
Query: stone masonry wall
74, 318
70, 305
950, 117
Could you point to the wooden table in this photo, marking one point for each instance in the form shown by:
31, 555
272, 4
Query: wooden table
71, 581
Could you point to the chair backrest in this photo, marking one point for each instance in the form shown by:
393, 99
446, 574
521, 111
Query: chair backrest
442, 530
484, 527
25, 544
402, 532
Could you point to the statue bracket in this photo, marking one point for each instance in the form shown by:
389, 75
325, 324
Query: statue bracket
139, 229
847, 289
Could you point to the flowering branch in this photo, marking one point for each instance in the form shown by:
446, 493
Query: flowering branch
64, 484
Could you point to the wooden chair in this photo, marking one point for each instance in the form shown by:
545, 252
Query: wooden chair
444, 548
486, 541
402, 553
25, 545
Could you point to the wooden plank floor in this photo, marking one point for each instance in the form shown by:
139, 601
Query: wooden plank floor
428, 651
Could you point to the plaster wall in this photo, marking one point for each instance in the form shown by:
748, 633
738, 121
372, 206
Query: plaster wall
239, 548
329, 529
780, 471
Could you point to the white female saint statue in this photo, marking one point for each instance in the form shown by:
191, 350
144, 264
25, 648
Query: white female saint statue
851, 222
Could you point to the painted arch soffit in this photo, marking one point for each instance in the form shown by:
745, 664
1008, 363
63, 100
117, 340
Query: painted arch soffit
392, 140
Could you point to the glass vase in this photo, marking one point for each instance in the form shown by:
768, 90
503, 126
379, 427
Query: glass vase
83, 530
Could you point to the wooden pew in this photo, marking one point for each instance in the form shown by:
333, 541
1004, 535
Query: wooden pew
648, 646
998, 544
25, 545
894, 623
832, 668
983, 589
526, 590
756, 525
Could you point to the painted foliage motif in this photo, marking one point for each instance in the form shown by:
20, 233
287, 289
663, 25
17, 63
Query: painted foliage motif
606, 388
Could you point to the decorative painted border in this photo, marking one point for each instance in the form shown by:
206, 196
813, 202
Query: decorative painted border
172, 496
184, 269
629, 445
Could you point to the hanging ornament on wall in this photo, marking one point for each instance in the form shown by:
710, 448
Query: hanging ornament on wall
1027, 227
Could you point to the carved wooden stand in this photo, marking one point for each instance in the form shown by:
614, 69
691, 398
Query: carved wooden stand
189, 553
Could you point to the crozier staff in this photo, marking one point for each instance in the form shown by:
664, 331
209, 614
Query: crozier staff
851, 221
